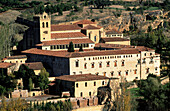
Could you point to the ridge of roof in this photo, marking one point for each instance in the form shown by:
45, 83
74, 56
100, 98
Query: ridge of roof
91, 27
6, 64
108, 39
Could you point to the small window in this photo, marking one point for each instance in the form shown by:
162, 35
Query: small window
97, 73
85, 84
100, 65
147, 70
77, 85
74, 73
47, 24
150, 54
135, 71
145, 54
45, 17
119, 73
89, 93
126, 72
108, 64
104, 73
21, 61
115, 63
144, 60
156, 68
85, 66
102, 82
81, 94
112, 73
95, 38
138, 61
43, 38
94, 83
92, 65
43, 25
123, 63
77, 63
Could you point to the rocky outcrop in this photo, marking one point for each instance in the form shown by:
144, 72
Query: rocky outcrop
138, 21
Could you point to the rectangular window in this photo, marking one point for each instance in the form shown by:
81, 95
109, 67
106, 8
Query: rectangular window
100, 65
77, 63
135, 71
108, 64
94, 83
92, 65
123, 63
77, 85
115, 63
85, 66
85, 84
89, 93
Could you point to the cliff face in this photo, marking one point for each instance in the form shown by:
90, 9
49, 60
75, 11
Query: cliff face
138, 21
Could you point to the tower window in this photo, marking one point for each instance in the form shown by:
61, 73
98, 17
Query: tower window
43, 25
85, 84
46, 24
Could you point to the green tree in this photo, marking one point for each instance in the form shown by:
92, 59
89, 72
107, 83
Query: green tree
101, 3
149, 28
154, 94
30, 85
81, 49
42, 79
71, 47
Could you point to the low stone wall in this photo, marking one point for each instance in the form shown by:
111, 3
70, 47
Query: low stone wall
19, 93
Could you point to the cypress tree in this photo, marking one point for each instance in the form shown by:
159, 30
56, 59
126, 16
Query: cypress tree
80, 49
71, 47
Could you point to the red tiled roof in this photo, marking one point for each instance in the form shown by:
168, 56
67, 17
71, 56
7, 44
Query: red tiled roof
113, 32
16, 57
6, 65
67, 35
112, 45
35, 65
80, 54
81, 77
65, 42
64, 27
91, 27
85, 22
110, 39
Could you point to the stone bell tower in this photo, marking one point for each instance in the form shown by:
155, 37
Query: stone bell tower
43, 22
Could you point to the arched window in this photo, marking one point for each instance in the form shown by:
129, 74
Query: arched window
147, 70
102, 82
92, 65
47, 24
81, 94
123, 63
127, 72
112, 73
43, 25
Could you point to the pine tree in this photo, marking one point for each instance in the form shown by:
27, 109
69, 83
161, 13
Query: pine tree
71, 47
30, 84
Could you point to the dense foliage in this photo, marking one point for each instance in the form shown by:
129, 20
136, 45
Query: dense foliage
155, 94
29, 78
7, 83
14, 105
59, 106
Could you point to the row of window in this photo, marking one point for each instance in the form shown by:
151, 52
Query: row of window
113, 35
77, 85
108, 57
100, 64
43, 24
81, 94
66, 46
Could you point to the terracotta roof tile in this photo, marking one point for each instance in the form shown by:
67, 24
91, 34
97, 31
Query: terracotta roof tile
65, 42
113, 32
91, 27
6, 65
35, 65
67, 35
85, 22
82, 77
109, 39
80, 54
16, 57
64, 27
103, 45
